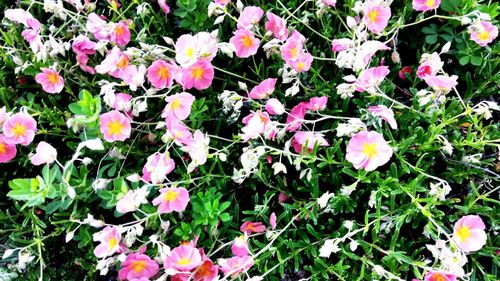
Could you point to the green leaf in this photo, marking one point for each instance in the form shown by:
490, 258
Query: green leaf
431, 39
477, 61
463, 60
225, 217
451, 6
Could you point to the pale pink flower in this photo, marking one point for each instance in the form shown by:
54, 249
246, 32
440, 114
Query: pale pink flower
186, 50
274, 107
82, 61
235, 265
50, 80
198, 148
255, 124
293, 47
132, 200
122, 103
19, 128
164, 6
161, 74
483, 33
34, 39
157, 167
178, 105
263, 90
376, 16
23, 17
97, 26
302, 63
183, 258
249, 17
442, 83
331, 3
137, 266
222, 3
115, 126
206, 46
109, 239
245, 43
252, 227
317, 103
179, 132
207, 271
439, 276
368, 150
342, 44
272, 220
385, 113
277, 26
3, 115
7, 151
45, 154
133, 76
369, 79
83, 45
310, 138
199, 75
115, 63
172, 199
425, 5
296, 116
468, 233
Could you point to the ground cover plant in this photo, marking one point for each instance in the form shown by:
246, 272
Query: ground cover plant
249, 140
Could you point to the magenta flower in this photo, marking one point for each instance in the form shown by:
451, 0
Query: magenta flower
441, 82
138, 266
385, 113
425, 5
120, 34
82, 61
272, 220
249, 17
172, 199
371, 78
376, 17
439, 276
296, 116
252, 227
368, 150
50, 80
20, 128
311, 138
403, 71
468, 233
483, 33
83, 45
277, 26
317, 103
239, 247
302, 63
115, 126
342, 44
293, 47
199, 75
45, 154
263, 90
157, 167
161, 74
183, 258
235, 265
7, 151
109, 239
179, 105
274, 107
245, 43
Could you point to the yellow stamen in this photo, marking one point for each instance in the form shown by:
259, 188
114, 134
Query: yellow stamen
430, 3
112, 242
370, 149
247, 41
175, 104
115, 128
300, 65
53, 77
122, 63
184, 261
164, 72
483, 36
138, 266
197, 72
294, 52
372, 15
3, 148
190, 52
170, 195
19, 130
463, 233
119, 30
438, 277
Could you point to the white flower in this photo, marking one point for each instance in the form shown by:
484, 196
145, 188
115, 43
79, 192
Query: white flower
348, 129
279, 168
93, 144
475, 158
24, 257
330, 246
349, 224
484, 108
100, 184
132, 200
323, 200
346, 190
440, 190
346, 90
90, 220
353, 245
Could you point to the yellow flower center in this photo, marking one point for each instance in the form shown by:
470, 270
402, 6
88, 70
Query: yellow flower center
170, 195
301, 65
19, 130
122, 63
483, 36
372, 15
294, 52
53, 77
119, 30
112, 242
197, 72
3, 148
164, 72
463, 233
190, 52
370, 149
115, 128
247, 41
175, 104
438, 277
184, 261
430, 3
138, 266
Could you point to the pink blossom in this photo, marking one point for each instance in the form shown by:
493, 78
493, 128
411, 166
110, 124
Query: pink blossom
274, 107
293, 47
272, 220
235, 265
425, 5
296, 116
277, 26
120, 33
172, 199
245, 43
164, 6
19, 128
97, 26
263, 90
115, 63
222, 3
157, 167
371, 78
33, 38
310, 138
199, 75
207, 271
7, 151
376, 16
3, 115
23, 17
302, 63
342, 44
82, 61
161, 74
368, 150
136, 266
252, 227
186, 50
183, 258
385, 113
115, 126
198, 148
132, 200
122, 103
483, 33
206, 46
239, 247
255, 124
249, 17
178, 131
282, 197
45, 154
178, 105
317, 103
133, 76
439, 276
50, 80
331, 3
441, 82
83, 45
109, 239
468, 233
424, 70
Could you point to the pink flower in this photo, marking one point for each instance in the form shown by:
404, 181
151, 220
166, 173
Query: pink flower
282, 197
109, 238
249, 17
45, 154
370, 78
368, 150
272, 220
296, 116
198, 148
222, 3
263, 90
3, 115
274, 107
403, 71
132, 200
120, 33
342, 44
331, 3
97, 26
376, 17
468, 233
157, 167
115, 63
161, 74
82, 61
252, 227
255, 124
133, 76
483, 33
317, 103
199, 75
23, 17
310, 138
83, 45
186, 50
277, 26
302, 63
50, 80
164, 6
385, 113
178, 131
20, 128
441, 82
183, 258
115, 126
425, 5
172, 199
206, 46
293, 47
138, 266
439, 276
122, 103
7, 151
239, 247
245, 43
235, 265
207, 271
179, 105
